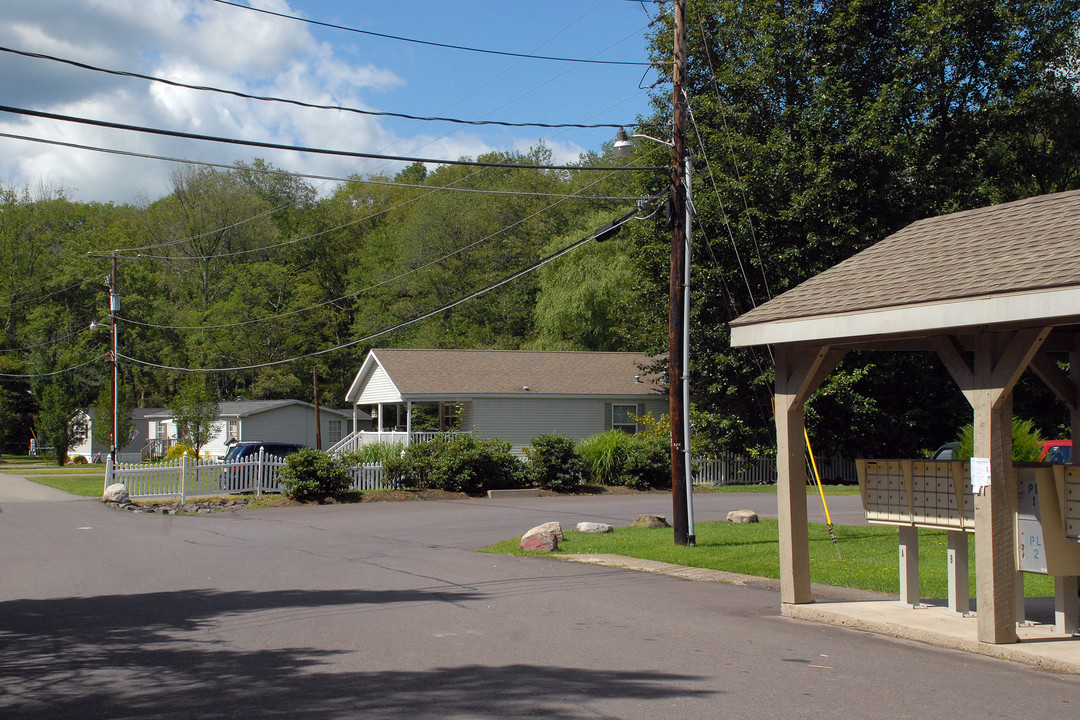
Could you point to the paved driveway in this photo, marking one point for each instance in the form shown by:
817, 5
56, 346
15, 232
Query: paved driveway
383, 610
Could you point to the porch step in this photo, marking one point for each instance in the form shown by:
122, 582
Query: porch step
524, 492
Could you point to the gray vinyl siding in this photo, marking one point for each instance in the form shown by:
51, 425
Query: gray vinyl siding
290, 424
520, 420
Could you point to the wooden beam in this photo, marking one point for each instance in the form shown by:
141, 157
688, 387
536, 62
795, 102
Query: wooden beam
1015, 358
1056, 379
957, 362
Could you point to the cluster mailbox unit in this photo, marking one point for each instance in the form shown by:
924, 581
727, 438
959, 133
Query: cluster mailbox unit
913, 494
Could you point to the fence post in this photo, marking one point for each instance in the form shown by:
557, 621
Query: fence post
258, 478
108, 472
183, 480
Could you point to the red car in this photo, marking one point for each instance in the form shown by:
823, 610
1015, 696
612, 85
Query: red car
1056, 451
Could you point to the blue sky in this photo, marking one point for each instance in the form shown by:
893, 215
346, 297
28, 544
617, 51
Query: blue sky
206, 43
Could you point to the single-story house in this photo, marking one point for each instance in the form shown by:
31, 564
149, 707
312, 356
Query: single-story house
509, 394
92, 450
289, 421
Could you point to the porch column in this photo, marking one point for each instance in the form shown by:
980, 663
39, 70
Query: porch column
408, 422
987, 383
799, 371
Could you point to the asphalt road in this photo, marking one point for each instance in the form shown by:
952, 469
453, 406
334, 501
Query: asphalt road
384, 610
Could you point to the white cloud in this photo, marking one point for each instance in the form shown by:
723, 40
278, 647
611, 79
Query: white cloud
191, 41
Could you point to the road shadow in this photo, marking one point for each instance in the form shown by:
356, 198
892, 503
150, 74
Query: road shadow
154, 655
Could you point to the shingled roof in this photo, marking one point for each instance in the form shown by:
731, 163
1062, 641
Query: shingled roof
456, 373
1004, 263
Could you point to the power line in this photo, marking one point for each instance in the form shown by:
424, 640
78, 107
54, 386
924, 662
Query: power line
29, 376
311, 176
405, 323
297, 148
432, 43
301, 103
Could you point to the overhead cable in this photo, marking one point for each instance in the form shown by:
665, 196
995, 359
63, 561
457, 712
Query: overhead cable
301, 103
432, 43
405, 323
298, 148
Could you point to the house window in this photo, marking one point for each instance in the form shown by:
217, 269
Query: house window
233, 430
335, 430
161, 430
622, 418
449, 416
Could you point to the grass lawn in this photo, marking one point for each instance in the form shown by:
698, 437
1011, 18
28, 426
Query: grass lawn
868, 559
76, 484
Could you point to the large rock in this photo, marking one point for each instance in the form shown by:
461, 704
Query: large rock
543, 541
553, 527
594, 527
116, 492
742, 516
651, 521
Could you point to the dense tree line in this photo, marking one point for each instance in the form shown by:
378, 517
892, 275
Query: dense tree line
251, 275
817, 130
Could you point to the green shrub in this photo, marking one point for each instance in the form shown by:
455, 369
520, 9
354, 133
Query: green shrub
617, 458
648, 465
177, 451
1027, 441
457, 463
313, 475
554, 463
373, 453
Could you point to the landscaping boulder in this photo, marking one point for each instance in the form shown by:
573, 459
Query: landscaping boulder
553, 527
594, 527
651, 521
116, 492
742, 516
542, 538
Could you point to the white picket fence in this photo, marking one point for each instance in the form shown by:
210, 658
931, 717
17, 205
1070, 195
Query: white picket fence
187, 477
735, 470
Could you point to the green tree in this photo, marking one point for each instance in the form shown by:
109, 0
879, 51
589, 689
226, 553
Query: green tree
59, 424
819, 129
194, 409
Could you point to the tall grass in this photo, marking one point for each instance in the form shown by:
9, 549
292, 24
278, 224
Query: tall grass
605, 455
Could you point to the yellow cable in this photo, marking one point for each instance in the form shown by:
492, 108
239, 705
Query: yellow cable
821, 490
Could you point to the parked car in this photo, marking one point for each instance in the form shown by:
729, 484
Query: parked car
946, 452
1056, 451
239, 472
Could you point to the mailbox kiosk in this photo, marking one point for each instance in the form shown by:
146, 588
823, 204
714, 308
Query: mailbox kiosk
913, 494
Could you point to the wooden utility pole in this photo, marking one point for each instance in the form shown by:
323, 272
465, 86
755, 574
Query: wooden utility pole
677, 318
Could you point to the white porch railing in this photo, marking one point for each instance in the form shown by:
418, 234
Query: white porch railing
367, 437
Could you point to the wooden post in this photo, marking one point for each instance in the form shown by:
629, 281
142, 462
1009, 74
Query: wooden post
799, 371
